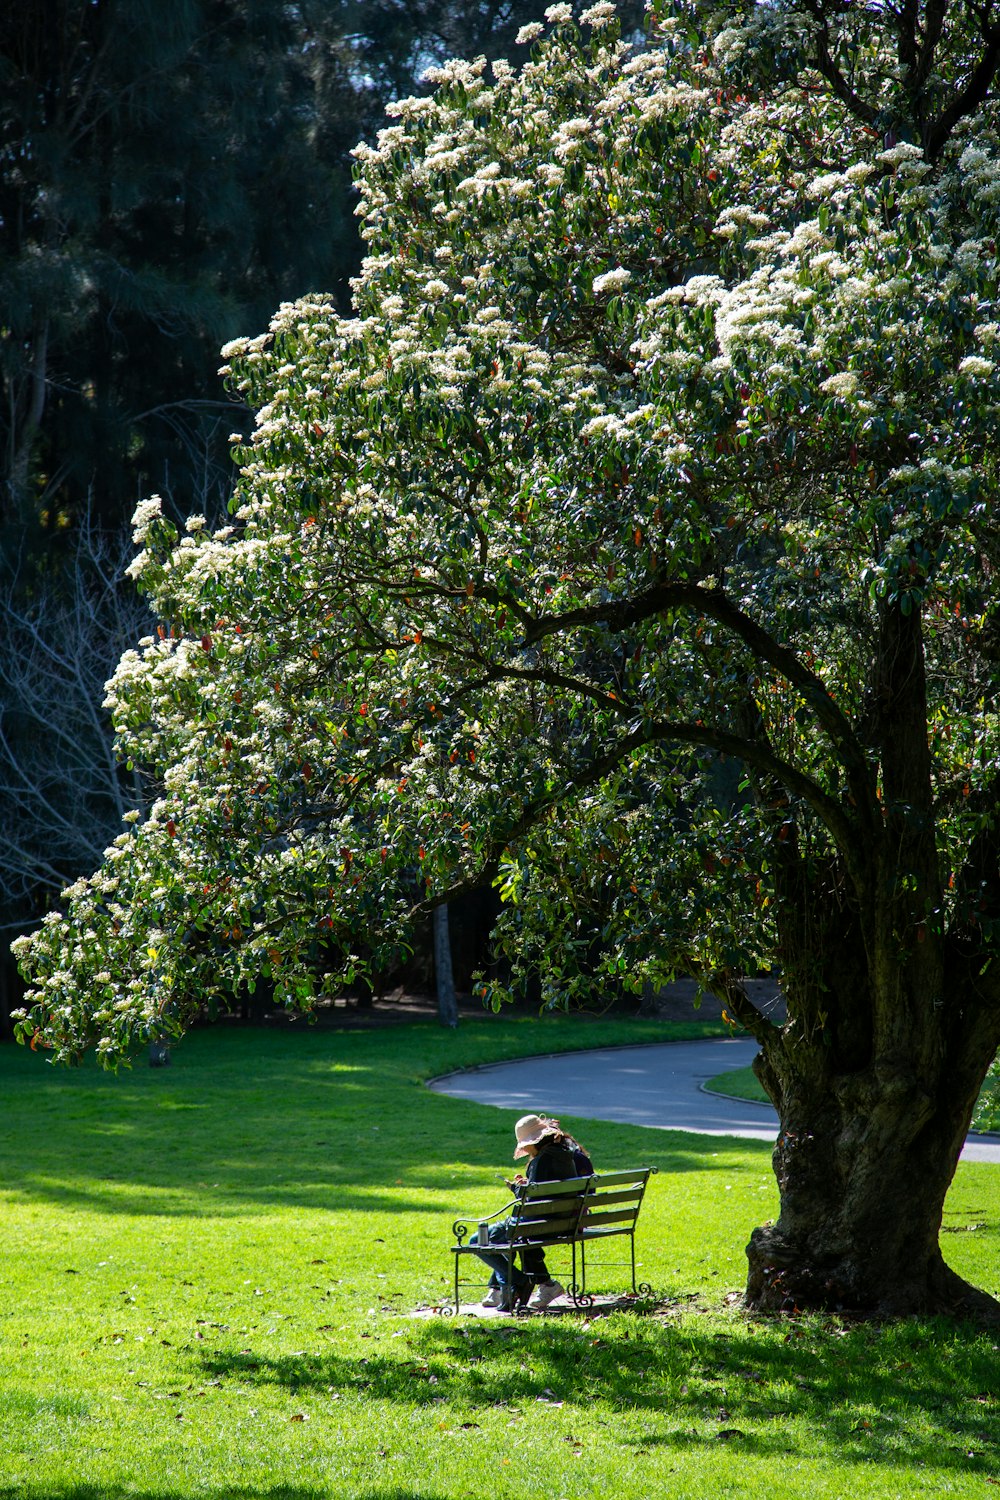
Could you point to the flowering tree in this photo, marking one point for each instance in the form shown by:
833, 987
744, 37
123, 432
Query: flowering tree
632, 547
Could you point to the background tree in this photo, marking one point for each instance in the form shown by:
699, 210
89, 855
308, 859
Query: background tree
63, 792
634, 546
133, 137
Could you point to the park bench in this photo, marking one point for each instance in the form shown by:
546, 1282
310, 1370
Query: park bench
576, 1213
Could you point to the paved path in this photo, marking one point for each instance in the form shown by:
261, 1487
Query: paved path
657, 1086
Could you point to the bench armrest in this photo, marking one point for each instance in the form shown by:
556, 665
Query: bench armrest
460, 1229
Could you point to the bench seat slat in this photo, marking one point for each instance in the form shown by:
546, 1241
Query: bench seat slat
538, 1207
528, 1190
546, 1223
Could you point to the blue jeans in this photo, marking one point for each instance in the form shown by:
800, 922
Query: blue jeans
498, 1261
532, 1260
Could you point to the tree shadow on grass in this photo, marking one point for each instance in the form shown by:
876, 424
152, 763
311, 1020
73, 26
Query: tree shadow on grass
916, 1393
227, 1492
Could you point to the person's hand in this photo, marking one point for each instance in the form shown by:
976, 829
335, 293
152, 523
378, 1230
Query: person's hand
519, 1180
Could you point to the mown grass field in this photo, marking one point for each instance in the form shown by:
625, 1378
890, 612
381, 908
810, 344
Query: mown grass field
207, 1274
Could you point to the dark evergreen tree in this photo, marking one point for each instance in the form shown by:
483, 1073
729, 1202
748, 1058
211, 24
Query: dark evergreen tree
159, 188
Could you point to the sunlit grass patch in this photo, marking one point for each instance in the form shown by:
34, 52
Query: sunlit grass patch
737, 1083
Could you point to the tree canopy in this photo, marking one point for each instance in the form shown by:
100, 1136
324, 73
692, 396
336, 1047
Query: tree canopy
632, 544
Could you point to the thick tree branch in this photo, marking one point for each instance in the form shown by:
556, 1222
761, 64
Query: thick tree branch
715, 605
907, 33
934, 17
730, 989
829, 811
969, 99
827, 68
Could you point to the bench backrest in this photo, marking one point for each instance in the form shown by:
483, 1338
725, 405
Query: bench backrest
613, 1202
580, 1207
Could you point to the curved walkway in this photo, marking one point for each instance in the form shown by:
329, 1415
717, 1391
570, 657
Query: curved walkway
659, 1086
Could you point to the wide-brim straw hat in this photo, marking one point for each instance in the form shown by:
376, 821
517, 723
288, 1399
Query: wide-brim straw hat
530, 1130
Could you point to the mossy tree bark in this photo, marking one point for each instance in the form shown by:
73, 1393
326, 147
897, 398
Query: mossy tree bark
894, 1018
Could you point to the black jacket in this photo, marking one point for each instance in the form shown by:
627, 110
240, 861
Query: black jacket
553, 1163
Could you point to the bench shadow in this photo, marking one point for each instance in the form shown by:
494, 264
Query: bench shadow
818, 1389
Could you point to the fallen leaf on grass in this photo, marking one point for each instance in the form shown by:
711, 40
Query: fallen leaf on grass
300, 1416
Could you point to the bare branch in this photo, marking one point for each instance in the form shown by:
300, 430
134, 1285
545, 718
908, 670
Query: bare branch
62, 791
969, 99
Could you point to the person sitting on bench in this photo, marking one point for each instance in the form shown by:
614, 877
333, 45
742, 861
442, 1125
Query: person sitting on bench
551, 1158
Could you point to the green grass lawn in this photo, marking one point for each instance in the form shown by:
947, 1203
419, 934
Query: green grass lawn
737, 1083
207, 1274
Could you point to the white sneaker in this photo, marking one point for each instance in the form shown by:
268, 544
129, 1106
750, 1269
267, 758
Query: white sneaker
544, 1293
494, 1297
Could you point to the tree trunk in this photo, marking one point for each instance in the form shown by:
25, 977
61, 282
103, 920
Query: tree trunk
893, 1020
22, 440
446, 998
863, 1159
